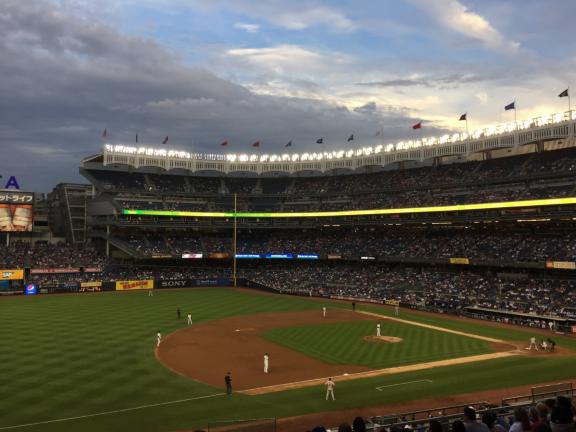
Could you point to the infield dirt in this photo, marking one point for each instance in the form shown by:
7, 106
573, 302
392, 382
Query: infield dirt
206, 352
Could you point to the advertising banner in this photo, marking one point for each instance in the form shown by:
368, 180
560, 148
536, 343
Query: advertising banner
177, 283
93, 286
31, 289
278, 256
307, 256
332, 256
16, 211
54, 270
11, 274
192, 256
564, 265
134, 285
248, 256
464, 261
92, 269
218, 255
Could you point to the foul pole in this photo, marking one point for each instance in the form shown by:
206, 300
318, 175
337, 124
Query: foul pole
234, 240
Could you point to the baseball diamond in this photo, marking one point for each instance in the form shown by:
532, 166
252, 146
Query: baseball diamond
192, 360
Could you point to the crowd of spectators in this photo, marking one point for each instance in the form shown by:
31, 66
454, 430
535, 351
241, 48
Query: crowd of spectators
442, 291
527, 176
551, 414
520, 166
49, 255
524, 246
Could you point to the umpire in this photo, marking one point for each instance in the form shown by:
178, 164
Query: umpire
228, 381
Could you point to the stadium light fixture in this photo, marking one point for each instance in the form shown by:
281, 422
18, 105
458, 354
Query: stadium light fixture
350, 153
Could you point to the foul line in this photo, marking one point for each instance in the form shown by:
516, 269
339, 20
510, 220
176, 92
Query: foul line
110, 412
402, 383
433, 327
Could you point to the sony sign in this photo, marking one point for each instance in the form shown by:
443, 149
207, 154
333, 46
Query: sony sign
173, 284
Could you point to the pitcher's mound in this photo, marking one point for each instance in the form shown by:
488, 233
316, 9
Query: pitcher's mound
389, 339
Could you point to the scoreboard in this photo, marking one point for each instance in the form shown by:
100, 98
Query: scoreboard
16, 211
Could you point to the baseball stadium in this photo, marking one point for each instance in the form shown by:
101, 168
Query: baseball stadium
393, 286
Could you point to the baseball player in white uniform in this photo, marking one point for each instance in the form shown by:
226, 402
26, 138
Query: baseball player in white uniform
159, 338
189, 319
378, 329
397, 310
266, 360
330, 388
533, 344
324, 311
150, 293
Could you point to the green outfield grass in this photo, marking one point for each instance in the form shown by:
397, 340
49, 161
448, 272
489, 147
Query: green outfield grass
343, 343
80, 355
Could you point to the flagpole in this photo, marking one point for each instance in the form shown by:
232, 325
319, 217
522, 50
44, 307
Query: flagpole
515, 109
467, 133
569, 105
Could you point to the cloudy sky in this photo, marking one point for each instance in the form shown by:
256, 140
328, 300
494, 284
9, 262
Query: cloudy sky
201, 71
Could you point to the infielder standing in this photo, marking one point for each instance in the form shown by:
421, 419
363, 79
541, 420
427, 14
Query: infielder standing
396, 309
189, 318
324, 311
378, 329
266, 358
159, 338
533, 344
330, 388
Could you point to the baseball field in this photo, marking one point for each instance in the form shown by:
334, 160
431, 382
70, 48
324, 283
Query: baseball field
90, 362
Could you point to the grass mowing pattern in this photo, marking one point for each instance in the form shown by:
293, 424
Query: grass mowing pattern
343, 343
65, 356
516, 333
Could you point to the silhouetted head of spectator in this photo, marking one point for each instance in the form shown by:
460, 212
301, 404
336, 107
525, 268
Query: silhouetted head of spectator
435, 426
542, 427
344, 427
489, 419
521, 416
469, 414
458, 426
359, 425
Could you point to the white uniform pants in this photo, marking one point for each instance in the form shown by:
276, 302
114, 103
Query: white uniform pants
330, 391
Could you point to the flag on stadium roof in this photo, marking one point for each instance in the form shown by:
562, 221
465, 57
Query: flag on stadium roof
320, 141
224, 143
378, 133
136, 137
564, 93
289, 144
510, 106
417, 126
105, 133
463, 117
256, 144
165, 140
351, 138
